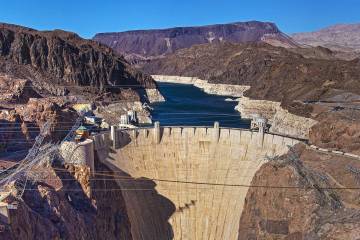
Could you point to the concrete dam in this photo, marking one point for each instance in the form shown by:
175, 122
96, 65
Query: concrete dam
186, 182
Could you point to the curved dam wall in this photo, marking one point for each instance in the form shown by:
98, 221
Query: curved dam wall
186, 182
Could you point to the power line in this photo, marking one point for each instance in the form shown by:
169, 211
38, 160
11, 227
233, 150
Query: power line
207, 114
226, 117
173, 85
162, 168
234, 185
198, 113
109, 179
228, 185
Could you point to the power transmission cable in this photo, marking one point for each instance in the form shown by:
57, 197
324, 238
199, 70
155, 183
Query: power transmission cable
220, 184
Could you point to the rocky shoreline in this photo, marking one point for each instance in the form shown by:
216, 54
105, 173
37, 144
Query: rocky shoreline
281, 120
210, 88
154, 95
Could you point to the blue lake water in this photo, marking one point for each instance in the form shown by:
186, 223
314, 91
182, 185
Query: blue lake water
190, 106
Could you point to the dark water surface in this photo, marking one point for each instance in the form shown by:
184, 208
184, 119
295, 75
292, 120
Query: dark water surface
190, 106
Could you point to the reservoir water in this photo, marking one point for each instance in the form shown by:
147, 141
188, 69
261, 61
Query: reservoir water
190, 106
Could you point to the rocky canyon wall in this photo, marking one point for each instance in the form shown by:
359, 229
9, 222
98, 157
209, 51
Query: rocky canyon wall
69, 203
281, 120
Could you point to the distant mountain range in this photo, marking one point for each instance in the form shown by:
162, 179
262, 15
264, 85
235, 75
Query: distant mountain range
140, 45
147, 44
341, 37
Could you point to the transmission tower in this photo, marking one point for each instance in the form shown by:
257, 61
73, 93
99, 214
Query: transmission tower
37, 156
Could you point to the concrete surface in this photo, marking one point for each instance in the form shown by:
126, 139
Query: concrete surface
186, 183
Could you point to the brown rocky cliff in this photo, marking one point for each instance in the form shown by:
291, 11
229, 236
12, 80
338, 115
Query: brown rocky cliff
338, 130
70, 204
299, 207
20, 126
14, 133
16, 90
65, 59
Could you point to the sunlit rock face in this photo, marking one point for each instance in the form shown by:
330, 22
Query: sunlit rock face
59, 58
145, 44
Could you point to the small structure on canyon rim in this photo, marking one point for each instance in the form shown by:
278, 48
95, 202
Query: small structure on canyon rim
259, 123
81, 133
128, 119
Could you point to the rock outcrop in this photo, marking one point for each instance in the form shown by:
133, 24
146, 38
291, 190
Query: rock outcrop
147, 44
280, 119
65, 60
153, 95
70, 204
14, 90
20, 126
339, 130
302, 205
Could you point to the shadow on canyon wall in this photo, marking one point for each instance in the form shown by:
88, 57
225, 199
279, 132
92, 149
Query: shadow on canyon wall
16, 135
84, 207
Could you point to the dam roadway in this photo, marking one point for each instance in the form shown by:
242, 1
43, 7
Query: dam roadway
186, 182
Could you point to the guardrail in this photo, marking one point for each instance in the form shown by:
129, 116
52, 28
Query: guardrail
304, 140
336, 152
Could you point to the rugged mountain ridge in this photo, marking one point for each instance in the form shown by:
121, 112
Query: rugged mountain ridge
145, 44
64, 59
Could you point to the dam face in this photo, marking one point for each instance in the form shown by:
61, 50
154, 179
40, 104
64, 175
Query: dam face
186, 182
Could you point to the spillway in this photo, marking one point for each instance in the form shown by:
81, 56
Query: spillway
186, 182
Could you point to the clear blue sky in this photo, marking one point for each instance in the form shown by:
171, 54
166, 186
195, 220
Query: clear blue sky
89, 17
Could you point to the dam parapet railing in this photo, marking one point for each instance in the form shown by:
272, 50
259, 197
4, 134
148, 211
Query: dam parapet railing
155, 134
